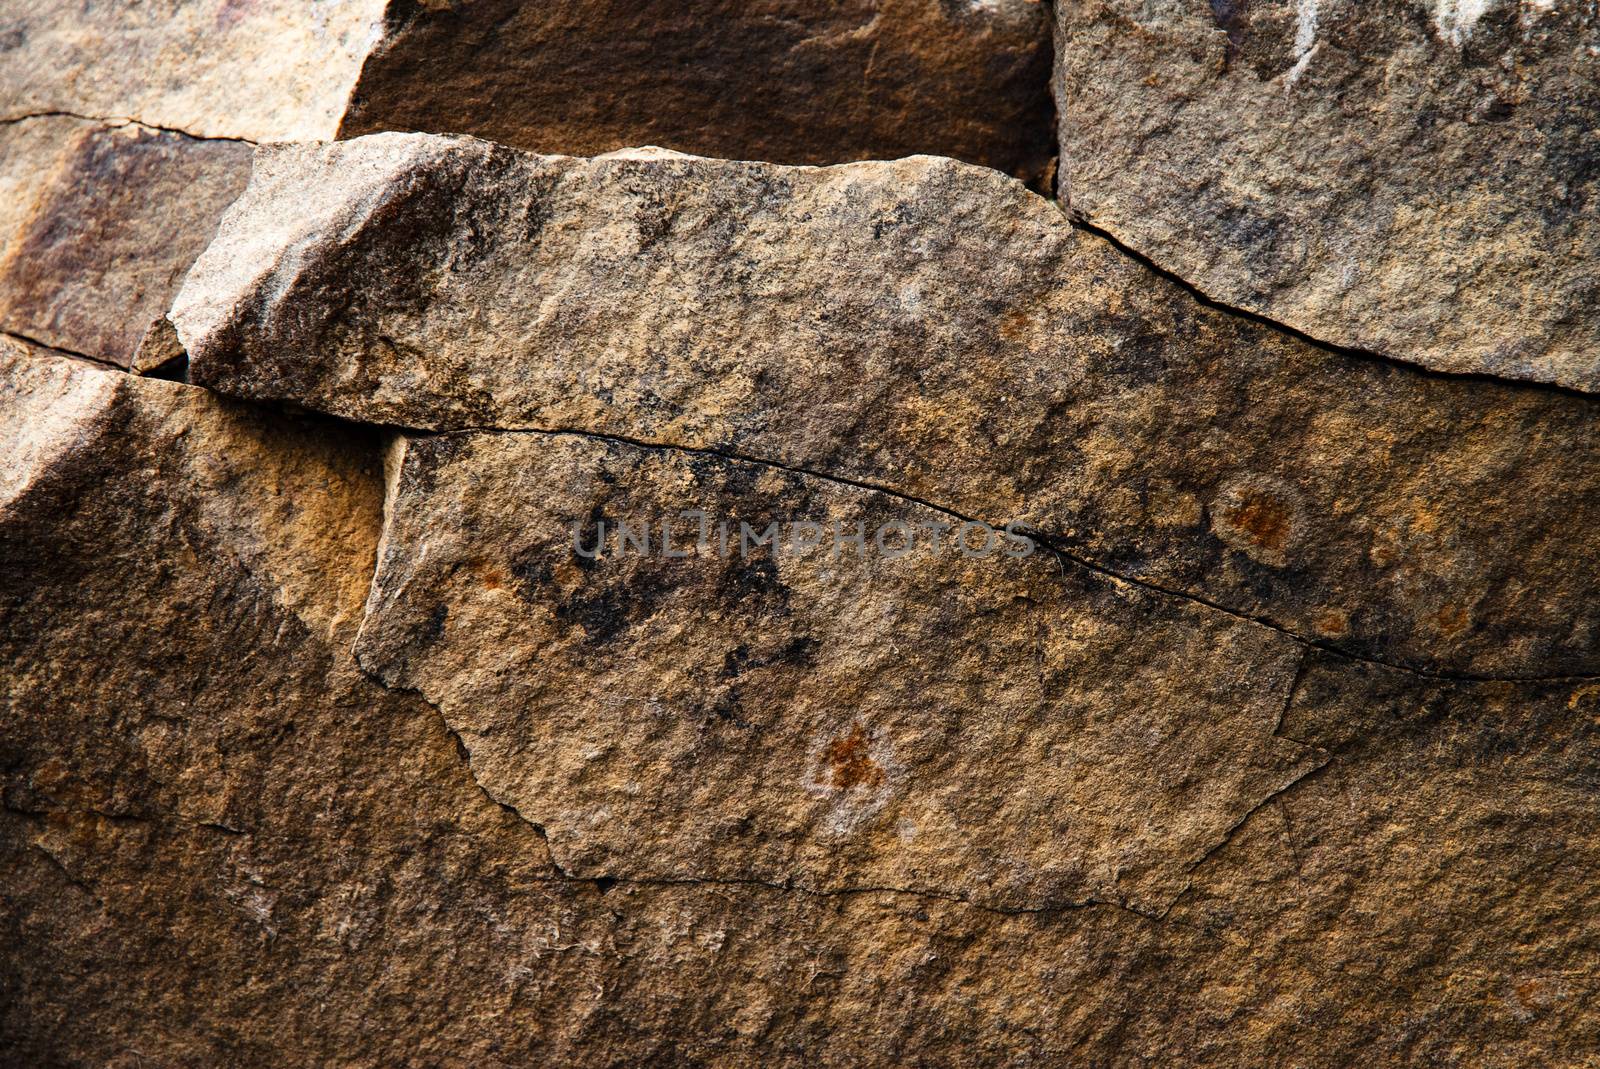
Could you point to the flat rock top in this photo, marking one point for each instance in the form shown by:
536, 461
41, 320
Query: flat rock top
1414, 179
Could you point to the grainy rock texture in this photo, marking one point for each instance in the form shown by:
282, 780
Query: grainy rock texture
264, 70
792, 81
799, 81
625, 608
927, 327
1002, 729
98, 224
1414, 178
223, 844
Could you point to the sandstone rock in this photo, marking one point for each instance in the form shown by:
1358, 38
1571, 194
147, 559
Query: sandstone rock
99, 223
923, 710
221, 844
802, 81
929, 328
1417, 179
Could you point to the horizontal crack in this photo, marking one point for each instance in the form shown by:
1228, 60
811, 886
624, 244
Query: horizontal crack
71, 353
121, 120
1050, 544
849, 892
1081, 222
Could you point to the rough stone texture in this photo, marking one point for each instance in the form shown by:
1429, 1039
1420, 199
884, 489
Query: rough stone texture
327, 738
221, 844
264, 70
98, 225
798, 81
933, 329
1000, 729
1417, 179
791, 81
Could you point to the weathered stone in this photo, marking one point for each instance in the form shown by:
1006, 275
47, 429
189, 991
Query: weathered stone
1414, 178
98, 225
933, 329
1446, 853
263, 70
924, 710
798, 81
221, 844
792, 81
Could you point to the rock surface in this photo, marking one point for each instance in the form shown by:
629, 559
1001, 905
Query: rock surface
798, 81
98, 225
262, 70
1416, 179
221, 843
922, 711
663, 611
929, 328
791, 81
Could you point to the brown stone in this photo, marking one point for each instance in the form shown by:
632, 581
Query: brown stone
933, 329
791, 81
935, 709
221, 844
98, 225
797, 81
1413, 178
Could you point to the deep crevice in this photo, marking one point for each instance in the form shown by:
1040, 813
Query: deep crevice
71, 354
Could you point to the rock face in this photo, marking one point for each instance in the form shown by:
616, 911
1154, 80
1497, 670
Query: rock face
222, 842
1417, 179
262, 70
99, 223
813, 712
929, 328
792, 81
646, 609
797, 81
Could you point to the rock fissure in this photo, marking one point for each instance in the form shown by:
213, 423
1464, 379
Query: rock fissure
68, 353
1080, 221
121, 120
1048, 543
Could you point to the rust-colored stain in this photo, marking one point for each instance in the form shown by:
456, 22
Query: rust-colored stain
1262, 519
1451, 621
1332, 623
491, 575
848, 763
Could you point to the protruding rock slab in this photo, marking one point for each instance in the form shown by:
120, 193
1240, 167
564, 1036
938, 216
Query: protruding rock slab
792, 81
797, 81
928, 327
98, 225
922, 707
1418, 179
